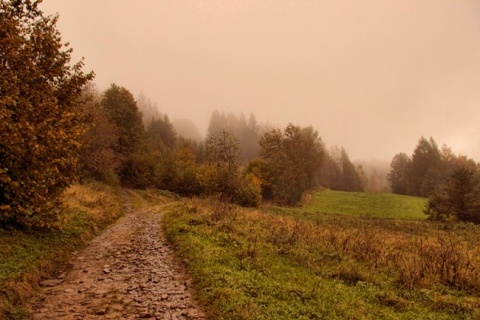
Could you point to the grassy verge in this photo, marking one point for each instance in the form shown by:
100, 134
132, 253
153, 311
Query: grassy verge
251, 264
385, 205
26, 257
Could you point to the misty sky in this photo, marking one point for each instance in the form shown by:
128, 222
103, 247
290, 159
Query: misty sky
372, 76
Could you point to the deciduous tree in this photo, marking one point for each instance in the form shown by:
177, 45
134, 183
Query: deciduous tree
293, 160
223, 154
41, 120
121, 109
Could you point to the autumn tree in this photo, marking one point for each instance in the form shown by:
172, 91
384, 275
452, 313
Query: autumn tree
121, 109
339, 173
41, 120
331, 174
223, 156
246, 131
292, 160
98, 157
148, 109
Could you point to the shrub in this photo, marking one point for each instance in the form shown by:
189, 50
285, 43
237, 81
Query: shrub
250, 192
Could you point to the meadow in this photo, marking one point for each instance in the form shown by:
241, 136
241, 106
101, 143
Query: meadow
327, 262
383, 205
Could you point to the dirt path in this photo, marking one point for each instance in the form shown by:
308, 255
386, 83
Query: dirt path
126, 273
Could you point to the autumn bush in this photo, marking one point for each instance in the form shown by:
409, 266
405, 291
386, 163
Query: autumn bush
249, 193
41, 119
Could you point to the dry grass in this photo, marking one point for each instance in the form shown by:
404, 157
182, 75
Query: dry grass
27, 257
410, 266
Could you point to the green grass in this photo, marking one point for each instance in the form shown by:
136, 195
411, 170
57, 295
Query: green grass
383, 205
251, 264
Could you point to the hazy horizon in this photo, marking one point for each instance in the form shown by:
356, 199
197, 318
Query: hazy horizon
372, 76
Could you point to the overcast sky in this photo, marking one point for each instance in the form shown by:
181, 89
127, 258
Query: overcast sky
373, 76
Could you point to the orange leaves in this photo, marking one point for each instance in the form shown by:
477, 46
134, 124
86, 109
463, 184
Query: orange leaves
40, 117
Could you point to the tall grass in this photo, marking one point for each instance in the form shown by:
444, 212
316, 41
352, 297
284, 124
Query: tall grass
253, 264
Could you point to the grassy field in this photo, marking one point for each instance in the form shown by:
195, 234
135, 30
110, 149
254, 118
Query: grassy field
385, 205
26, 257
280, 263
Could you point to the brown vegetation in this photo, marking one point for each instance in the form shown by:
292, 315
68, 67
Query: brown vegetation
414, 253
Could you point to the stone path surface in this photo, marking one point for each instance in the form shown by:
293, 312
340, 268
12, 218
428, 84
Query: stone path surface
129, 272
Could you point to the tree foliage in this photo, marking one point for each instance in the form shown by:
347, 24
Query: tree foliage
223, 156
292, 161
246, 131
98, 157
339, 173
457, 199
121, 109
41, 120
161, 134
398, 175
424, 170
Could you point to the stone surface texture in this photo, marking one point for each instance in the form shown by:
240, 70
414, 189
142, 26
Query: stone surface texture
128, 272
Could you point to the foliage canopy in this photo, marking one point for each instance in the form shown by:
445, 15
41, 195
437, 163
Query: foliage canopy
41, 119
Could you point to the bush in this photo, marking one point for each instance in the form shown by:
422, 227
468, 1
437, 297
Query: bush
250, 191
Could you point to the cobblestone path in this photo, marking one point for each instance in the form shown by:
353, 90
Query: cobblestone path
128, 272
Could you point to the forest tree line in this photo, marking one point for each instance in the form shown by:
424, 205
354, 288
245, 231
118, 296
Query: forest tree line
450, 181
239, 160
55, 130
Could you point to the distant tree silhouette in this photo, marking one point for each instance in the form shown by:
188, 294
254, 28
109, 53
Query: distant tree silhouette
398, 175
424, 170
161, 133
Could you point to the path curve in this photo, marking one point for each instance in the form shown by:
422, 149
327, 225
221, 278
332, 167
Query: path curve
128, 272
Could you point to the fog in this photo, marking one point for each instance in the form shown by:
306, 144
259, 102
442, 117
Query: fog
372, 76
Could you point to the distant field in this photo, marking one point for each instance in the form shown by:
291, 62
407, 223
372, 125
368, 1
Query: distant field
384, 205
